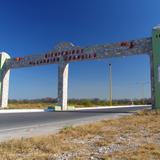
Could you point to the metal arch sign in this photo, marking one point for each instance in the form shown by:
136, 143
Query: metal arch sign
74, 53
66, 52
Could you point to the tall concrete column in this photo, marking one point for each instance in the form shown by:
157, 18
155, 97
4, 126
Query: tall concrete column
156, 65
4, 80
63, 85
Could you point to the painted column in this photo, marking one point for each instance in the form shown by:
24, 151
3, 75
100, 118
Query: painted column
4, 80
152, 81
156, 66
63, 85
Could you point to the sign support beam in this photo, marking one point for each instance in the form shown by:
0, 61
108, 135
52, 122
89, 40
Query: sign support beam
63, 85
4, 80
156, 66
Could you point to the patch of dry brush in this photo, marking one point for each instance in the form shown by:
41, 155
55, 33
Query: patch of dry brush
39, 105
130, 137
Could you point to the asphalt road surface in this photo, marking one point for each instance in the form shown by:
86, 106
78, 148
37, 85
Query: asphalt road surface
16, 125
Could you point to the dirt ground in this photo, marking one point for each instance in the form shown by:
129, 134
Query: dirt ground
127, 138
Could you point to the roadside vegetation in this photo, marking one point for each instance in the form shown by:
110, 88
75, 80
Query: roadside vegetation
46, 102
135, 137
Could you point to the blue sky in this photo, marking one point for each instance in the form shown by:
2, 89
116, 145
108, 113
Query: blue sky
36, 26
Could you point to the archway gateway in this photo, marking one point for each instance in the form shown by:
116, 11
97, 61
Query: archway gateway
66, 52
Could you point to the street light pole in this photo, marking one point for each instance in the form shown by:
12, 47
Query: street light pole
110, 84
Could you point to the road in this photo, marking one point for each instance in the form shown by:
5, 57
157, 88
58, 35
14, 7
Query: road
16, 125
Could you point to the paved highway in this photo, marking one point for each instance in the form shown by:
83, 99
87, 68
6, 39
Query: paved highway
15, 125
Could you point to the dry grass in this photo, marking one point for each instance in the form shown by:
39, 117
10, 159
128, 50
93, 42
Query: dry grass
29, 105
131, 137
39, 105
79, 103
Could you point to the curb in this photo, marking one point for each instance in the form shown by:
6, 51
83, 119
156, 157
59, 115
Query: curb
75, 109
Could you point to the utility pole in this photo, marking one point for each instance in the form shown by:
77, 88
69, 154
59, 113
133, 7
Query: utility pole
143, 92
142, 84
110, 84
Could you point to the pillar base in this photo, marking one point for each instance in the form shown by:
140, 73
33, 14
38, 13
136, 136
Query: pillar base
59, 108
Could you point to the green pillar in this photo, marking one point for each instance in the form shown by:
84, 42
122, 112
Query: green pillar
156, 66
